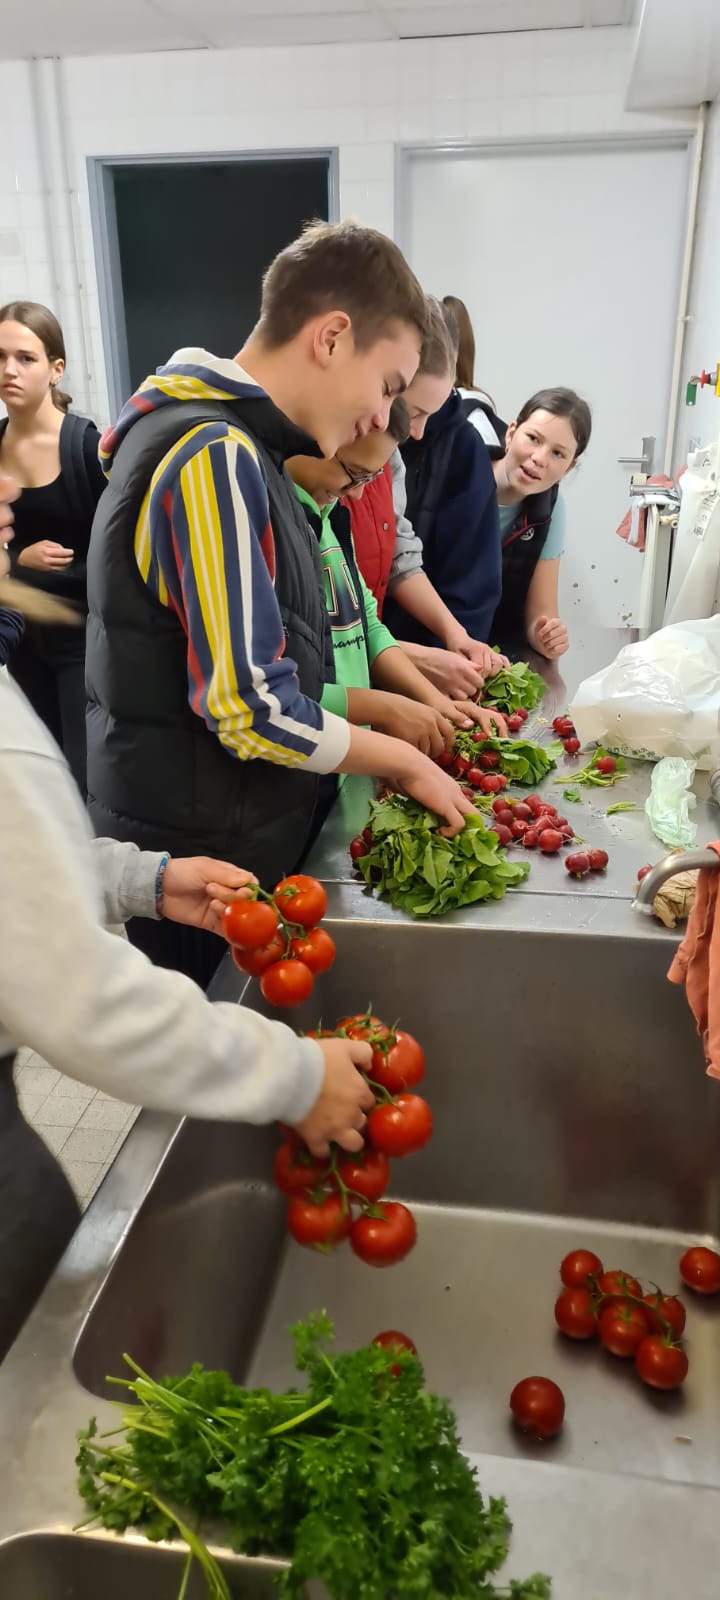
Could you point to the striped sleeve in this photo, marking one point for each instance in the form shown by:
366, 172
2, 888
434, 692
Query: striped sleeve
204, 545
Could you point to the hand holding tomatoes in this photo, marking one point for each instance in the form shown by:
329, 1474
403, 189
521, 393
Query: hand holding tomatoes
276, 938
339, 1112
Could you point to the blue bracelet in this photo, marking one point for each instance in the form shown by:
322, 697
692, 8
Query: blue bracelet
160, 874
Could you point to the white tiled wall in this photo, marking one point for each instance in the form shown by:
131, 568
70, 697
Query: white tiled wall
362, 99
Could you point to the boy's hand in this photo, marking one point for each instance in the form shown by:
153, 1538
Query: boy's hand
427, 729
339, 1113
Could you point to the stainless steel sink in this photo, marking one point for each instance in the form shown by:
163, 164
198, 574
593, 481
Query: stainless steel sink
571, 1107
61, 1566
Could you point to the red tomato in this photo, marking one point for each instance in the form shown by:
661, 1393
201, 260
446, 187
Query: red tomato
287, 983
366, 1174
606, 764
574, 1314
362, 1026
659, 1364
617, 1285
294, 1169
249, 923
256, 962
315, 948
621, 1328
301, 899
318, 1224
665, 1314
700, 1269
538, 1407
401, 1126
385, 1239
401, 1065
578, 1266
395, 1343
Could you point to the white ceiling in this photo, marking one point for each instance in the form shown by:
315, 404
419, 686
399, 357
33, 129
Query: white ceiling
113, 27
677, 55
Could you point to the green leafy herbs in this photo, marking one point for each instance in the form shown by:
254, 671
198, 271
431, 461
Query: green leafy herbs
621, 805
602, 772
521, 760
515, 688
415, 867
573, 795
359, 1481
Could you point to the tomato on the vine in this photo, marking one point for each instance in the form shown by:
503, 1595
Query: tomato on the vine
249, 923
256, 962
578, 1266
575, 1314
538, 1407
660, 1364
362, 1026
318, 1224
665, 1312
700, 1269
617, 1285
394, 1343
384, 1238
295, 1170
622, 1327
366, 1174
400, 1064
301, 899
287, 983
401, 1126
315, 948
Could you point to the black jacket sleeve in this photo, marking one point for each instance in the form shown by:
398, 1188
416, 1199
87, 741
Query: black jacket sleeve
12, 626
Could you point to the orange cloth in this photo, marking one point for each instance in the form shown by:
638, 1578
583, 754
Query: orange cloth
697, 964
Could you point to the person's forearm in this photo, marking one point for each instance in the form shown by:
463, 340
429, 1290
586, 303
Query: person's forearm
128, 877
394, 671
417, 595
377, 755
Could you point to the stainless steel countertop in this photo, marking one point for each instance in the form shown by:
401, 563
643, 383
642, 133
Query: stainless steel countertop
599, 1535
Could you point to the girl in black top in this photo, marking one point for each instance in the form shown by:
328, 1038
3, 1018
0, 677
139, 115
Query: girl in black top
53, 456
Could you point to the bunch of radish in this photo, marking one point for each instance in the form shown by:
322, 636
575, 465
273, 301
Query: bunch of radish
532, 823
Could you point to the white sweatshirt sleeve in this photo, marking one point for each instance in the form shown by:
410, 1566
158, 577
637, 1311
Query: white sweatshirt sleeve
408, 555
127, 878
95, 1007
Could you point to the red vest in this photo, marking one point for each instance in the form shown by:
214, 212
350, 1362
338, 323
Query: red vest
373, 529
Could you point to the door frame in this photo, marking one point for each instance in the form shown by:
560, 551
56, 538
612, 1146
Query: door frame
106, 245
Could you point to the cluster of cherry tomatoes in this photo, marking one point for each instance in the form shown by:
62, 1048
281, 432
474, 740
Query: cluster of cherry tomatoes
343, 1196
611, 1306
277, 938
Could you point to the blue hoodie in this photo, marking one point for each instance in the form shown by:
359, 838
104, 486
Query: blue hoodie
452, 504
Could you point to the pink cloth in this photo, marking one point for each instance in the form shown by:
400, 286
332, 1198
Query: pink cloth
697, 964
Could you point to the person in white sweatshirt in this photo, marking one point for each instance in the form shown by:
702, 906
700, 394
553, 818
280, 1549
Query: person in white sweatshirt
98, 1010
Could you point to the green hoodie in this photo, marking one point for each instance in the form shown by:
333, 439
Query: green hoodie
352, 660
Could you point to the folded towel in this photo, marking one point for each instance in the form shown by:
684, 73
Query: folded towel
697, 964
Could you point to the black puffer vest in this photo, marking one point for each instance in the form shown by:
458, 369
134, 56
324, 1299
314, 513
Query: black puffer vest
156, 774
522, 543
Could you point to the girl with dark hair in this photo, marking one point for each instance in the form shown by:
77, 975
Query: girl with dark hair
530, 458
52, 455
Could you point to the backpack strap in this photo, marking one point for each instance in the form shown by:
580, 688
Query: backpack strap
73, 466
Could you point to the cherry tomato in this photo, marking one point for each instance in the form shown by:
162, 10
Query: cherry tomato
660, 1364
287, 983
401, 1126
550, 841
395, 1343
256, 962
665, 1313
621, 1328
294, 1169
606, 764
400, 1066
617, 1285
249, 923
301, 899
579, 1265
700, 1269
574, 1314
318, 1224
367, 1174
361, 1026
315, 948
385, 1239
538, 1407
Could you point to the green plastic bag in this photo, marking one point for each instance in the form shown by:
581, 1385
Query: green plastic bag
670, 802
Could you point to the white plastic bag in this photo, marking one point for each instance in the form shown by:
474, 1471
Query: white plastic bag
660, 697
670, 802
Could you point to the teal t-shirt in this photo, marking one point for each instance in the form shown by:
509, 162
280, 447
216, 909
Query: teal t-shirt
555, 543
344, 602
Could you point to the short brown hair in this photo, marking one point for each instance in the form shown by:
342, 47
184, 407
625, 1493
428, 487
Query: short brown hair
44, 324
340, 266
439, 351
399, 421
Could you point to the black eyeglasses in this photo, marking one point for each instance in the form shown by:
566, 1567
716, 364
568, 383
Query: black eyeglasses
357, 480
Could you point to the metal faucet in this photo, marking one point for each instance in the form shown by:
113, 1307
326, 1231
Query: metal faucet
689, 861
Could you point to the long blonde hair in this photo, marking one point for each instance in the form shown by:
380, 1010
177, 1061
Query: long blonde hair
35, 604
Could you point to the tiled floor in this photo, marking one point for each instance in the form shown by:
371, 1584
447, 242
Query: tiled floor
83, 1127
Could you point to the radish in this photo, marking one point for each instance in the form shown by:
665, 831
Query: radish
445, 759
506, 816
530, 839
578, 865
499, 804
522, 811
358, 848
643, 872
571, 746
489, 782
522, 713
606, 764
519, 829
475, 777
515, 723
489, 760
550, 841
598, 860
504, 834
